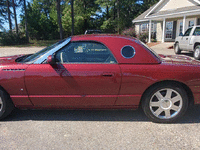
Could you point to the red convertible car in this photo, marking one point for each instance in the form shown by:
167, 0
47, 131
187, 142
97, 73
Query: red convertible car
100, 72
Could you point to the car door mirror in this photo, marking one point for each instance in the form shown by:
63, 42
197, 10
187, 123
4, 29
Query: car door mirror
51, 60
181, 34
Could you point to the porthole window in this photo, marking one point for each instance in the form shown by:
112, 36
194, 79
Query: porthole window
128, 52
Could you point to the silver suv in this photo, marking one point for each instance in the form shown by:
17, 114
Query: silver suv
190, 41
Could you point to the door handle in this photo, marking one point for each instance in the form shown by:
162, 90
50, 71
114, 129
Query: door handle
186, 38
107, 74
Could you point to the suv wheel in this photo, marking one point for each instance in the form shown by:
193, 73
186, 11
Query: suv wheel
197, 52
177, 49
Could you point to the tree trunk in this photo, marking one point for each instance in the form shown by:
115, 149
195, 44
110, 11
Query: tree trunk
72, 9
114, 12
26, 22
9, 19
59, 18
118, 15
15, 16
107, 12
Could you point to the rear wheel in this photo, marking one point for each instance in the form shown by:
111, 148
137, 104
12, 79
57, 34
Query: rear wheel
165, 103
6, 105
197, 52
177, 49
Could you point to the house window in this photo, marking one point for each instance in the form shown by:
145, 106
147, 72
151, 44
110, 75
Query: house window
181, 28
144, 27
153, 27
169, 30
191, 23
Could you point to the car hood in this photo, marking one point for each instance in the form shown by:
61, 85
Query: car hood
9, 59
177, 59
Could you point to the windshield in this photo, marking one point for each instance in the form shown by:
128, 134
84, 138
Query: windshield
42, 52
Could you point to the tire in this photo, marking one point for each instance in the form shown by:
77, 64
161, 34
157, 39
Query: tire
165, 103
197, 52
177, 50
6, 105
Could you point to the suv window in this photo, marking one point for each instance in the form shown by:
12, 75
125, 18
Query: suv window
85, 52
187, 33
197, 31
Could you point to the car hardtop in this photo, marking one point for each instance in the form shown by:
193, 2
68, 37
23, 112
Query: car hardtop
115, 43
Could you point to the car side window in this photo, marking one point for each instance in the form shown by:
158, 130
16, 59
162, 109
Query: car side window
197, 31
85, 52
187, 33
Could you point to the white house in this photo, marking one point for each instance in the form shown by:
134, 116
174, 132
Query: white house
168, 18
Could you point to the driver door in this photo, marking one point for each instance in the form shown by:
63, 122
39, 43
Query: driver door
86, 74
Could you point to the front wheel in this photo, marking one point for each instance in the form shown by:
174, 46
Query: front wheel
6, 105
197, 52
165, 103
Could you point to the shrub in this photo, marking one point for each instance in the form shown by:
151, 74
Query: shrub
129, 32
11, 38
143, 36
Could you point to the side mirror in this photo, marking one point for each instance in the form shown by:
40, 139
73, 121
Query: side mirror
51, 60
181, 34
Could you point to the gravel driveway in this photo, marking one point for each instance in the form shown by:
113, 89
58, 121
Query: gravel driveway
94, 129
6, 51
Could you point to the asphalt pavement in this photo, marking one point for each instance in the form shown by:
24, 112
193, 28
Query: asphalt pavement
95, 129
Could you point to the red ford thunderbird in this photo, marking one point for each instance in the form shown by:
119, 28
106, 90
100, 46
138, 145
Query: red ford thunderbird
100, 72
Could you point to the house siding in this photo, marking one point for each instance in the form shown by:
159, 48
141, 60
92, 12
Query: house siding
137, 28
174, 4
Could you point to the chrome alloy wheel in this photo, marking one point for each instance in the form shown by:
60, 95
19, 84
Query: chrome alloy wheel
196, 53
1, 104
166, 103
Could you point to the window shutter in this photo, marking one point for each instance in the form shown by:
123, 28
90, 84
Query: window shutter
198, 21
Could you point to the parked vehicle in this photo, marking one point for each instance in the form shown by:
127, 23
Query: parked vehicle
93, 32
190, 41
100, 72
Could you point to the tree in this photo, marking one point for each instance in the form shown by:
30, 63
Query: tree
118, 16
25, 19
59, 18
55, 18
121, 14
84, 16
105, 4
72, 12
3, 13
87, 9
15, 16
26, 22
9, 16
44, 25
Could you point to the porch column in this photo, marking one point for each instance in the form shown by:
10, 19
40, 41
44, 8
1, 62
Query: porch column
149, 31
163, 34
184, 18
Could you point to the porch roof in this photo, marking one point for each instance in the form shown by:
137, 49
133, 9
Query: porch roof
185, 11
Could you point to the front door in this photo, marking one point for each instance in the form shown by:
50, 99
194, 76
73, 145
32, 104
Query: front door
169, 30
86, 74
179, 28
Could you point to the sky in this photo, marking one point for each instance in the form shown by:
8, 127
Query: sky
18, 12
